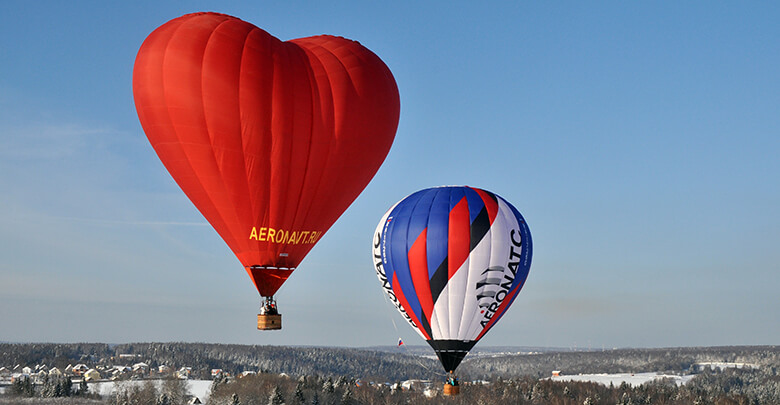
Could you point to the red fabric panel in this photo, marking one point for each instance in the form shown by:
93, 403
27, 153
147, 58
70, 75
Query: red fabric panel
500, 311
418, 267
399, 293
268, 281
458, 237
490, 204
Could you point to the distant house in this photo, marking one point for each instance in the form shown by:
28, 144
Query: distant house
184, 373
415, 385
140, 368
246, 373
40, 376
5, 374
80, 369
18, 377
26, 370
215, 372
193, 400
164, 369
556, 373
123, 369
55, 371
91, 375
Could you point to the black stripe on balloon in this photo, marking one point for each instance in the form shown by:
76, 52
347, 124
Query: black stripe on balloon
451, 352
439, 280
492, 196
426, 324
479, 228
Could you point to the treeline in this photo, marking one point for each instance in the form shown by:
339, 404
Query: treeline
52, 354
669, 360
355, 377
232, 359
376, 364
731, 386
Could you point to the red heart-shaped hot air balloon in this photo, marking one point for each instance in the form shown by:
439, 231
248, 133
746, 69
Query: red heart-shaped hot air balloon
271, 140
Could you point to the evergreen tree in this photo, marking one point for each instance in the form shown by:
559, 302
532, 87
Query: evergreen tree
328, 387
58, 388
315, 400
588, 401
83, 387
276, 398
220, 379
23, 386
234, 400
346, 398
67, 386
299, 398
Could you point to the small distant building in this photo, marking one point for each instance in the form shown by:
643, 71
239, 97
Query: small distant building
5, 374
164, 369
246, 373
26, 370
79, 369
215, 372
722, 365
183, 373
91, 375
18, 377
556, 373
415, 385
55, 372
140, 368
193, 400
39, 376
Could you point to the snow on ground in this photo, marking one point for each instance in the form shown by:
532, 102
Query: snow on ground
198, 388
632, 379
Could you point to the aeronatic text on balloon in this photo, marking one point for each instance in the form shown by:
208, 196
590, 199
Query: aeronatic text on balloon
285, 236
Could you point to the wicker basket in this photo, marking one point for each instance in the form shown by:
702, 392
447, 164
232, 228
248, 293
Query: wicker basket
269, 322
451, 389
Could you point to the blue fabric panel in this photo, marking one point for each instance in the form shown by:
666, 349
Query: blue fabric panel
438, 229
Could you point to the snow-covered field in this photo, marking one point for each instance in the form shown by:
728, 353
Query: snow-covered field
198, 388
633, 379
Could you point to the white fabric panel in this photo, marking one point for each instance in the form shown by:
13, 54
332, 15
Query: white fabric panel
457, 314
501, 243
478, 262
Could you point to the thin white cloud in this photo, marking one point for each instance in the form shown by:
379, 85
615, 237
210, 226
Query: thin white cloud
100, 221
49, 141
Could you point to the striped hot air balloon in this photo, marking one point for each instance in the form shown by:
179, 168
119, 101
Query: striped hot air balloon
452, 260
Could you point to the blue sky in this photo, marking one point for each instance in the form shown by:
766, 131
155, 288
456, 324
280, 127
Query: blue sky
640, 140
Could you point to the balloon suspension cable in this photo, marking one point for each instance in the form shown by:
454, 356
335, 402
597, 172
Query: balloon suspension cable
268, 306
403, 347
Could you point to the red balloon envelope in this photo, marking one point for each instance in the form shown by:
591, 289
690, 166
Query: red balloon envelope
271, 140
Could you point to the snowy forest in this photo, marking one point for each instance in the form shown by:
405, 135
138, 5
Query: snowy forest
320, 375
